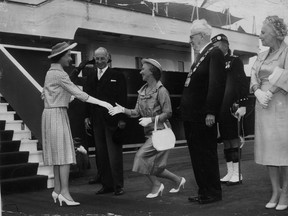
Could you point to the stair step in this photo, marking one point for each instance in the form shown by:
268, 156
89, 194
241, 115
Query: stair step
8, 116
2, 99
45, 170
3, 107
24, 184
35, 156
2, 124
6, 135
9, 146
21, 134
18, 170
28, 145
16, 125
13, 158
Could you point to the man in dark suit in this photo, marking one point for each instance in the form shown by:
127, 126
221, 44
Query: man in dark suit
200, 103
109, 85
233, 107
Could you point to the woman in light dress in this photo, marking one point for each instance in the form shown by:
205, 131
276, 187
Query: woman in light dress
57, 142
269, 82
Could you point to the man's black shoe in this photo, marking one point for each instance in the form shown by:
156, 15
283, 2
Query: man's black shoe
193, 199
233, 183
119, 192
94, 180
104, 190
209, 199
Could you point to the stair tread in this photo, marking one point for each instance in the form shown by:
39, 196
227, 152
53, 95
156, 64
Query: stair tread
8, 112
24, 184
21, 131
24, 177
18, 164
14, 121
9, 146
28, 140
11, 153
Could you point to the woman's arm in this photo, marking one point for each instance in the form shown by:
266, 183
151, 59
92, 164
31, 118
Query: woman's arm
132, 113
96, 101
69, 86
165, 103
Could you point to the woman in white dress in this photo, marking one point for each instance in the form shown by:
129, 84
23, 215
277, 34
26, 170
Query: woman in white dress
269, 82
57, 142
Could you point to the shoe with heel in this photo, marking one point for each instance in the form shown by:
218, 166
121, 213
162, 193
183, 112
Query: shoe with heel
160, 191
61, 199
182, 183
270, 205
281, 207
55, 196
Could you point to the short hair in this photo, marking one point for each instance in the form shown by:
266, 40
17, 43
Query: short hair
278, 25
201, 26
155, 71
104, 50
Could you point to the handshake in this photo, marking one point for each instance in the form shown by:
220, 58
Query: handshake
144, 121
263, 97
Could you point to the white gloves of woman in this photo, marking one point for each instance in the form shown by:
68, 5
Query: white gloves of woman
145, 121
263, 97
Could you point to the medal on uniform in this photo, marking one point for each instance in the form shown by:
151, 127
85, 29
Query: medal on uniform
187, 82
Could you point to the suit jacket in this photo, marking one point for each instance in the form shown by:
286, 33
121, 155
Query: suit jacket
205, 92
110, 88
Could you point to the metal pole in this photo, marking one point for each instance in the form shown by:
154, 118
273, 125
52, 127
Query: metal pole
239, 148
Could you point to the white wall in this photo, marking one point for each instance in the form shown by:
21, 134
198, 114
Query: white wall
124, 56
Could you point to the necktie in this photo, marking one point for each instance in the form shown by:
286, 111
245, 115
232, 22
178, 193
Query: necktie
99, 73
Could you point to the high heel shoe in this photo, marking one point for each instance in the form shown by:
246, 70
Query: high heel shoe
61, 199
160, 191
54, 196
182, 183
281, 207
270, 205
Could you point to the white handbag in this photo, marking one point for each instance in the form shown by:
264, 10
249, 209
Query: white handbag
163, 139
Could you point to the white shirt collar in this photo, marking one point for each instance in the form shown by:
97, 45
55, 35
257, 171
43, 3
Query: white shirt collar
103, 70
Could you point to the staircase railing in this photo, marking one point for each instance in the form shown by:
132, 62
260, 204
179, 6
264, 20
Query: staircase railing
21, 90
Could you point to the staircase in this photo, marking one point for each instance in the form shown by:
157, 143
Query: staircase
21, 164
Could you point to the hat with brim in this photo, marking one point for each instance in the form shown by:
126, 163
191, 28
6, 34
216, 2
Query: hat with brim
152, 62
60, 48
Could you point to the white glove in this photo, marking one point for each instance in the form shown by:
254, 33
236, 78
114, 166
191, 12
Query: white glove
82, 150
117, 109
209, 120
145, 121
269, 94
262, 97
241, 111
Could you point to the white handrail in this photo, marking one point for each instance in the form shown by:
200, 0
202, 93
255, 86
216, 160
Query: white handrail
19, 66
